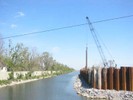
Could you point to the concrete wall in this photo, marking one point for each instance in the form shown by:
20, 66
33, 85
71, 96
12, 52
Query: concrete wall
16, 74
5, 75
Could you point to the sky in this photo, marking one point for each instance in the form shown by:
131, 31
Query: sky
67, 46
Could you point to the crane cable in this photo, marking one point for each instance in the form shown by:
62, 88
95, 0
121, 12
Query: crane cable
108, 51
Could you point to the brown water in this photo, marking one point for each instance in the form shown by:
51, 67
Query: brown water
56, 88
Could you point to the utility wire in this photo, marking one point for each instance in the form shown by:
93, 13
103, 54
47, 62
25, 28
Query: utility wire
116, 18
71, 26
54, 29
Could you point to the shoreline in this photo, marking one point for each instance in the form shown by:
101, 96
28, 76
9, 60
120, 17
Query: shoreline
23, 81
83, 89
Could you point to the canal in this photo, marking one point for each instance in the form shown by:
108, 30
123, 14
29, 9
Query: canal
56, 88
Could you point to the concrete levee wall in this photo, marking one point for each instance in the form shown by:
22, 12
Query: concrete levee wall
16, 74
5, 75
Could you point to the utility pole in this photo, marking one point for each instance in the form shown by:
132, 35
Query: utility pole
86, 57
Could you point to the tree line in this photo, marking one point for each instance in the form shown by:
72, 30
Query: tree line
20, 58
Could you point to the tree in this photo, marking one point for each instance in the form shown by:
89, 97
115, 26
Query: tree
1, 45
34, 60
46, 60
19, 58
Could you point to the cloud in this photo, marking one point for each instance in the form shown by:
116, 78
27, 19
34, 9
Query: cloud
55, 49
13, 26
19, 14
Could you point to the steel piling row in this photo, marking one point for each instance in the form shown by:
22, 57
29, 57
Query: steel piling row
109, 78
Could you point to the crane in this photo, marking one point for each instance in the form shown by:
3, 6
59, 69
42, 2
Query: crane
99, 47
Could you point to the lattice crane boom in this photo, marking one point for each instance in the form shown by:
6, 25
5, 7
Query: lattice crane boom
99, 47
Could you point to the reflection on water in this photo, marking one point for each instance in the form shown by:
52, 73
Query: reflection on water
56, 88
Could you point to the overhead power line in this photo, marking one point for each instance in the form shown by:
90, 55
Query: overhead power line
54, 29
111, 19
65, 27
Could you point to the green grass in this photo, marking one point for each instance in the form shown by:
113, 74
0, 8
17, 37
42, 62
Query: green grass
5, 82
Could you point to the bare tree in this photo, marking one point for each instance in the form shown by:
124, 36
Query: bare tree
1, 45
46, 60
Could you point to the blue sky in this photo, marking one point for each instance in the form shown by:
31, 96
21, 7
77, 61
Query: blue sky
68, 45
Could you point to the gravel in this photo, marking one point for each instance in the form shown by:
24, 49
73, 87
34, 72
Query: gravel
85, 90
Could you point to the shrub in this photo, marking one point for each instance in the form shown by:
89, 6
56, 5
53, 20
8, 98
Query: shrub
28, 75
20, 76
4, 82
11, 76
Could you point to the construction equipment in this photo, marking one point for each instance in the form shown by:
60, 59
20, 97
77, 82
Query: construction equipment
99, 47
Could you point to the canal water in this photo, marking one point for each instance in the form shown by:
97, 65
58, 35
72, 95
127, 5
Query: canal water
56, 88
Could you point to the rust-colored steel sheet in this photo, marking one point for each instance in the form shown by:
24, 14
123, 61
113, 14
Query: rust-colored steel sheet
129, 78
110, 78
99, 78
84, 74
116, 79
123, 78
94, 78
89, 76
104, 78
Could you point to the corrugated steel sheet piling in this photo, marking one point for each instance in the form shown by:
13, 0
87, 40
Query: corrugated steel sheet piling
123, 78
94, 77
99, 84
129, 78
116, 79
110, 78
104, 78
84, 71
89, 76
84, 74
